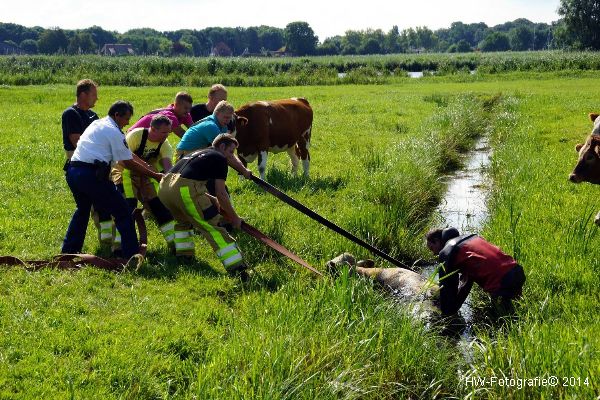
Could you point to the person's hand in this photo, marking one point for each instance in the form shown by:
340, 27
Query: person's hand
158, 176
236, 222
214, 201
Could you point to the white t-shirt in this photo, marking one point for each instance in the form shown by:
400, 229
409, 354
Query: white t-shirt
102, 141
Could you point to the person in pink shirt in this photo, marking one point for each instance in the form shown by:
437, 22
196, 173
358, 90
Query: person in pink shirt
178, 113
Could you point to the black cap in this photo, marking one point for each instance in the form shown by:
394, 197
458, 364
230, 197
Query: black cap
449, 233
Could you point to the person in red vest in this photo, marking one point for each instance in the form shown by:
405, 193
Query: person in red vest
468, 259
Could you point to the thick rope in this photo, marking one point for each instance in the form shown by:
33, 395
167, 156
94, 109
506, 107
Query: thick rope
77, 261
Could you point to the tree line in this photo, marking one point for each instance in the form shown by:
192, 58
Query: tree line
579, 28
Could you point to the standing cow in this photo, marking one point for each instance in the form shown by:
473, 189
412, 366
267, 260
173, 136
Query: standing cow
588, 165
275, 126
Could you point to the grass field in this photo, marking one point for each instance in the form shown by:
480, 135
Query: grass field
188, 331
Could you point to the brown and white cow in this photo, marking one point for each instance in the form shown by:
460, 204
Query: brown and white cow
588, 165
274, 126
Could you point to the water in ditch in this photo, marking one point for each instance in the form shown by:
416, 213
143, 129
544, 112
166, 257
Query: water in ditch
464, 207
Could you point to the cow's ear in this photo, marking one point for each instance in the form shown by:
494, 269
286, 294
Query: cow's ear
593, 116
578, 147
243, 121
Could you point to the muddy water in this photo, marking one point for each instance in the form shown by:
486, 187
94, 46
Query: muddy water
464, 207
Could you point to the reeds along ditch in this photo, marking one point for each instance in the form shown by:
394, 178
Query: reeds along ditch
404, 185
286, 71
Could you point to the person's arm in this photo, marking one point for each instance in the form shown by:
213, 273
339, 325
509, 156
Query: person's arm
236, 164
225, 204
449, 291
74, 138
179, 131
166, 164
142, 169
464, 289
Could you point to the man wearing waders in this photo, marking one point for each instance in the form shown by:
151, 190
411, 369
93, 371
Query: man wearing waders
150, 145
468, 259
75, 120
185, 192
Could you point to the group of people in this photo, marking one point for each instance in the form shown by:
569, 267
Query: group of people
111, 171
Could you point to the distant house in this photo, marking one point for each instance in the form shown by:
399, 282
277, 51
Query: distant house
221, 50
117, 50
267, 53
8, 48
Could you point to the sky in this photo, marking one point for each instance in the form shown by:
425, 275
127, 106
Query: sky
326, 17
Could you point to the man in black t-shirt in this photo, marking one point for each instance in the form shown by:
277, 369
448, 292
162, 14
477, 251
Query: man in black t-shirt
79, 116
75, 120
216, 93
185, 192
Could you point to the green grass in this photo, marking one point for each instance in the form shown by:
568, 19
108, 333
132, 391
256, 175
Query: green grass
187, 331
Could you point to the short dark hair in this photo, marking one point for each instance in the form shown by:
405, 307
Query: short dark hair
159, 120
434, 235
84, 86
183, 96
224, 138
217, 87
120, 107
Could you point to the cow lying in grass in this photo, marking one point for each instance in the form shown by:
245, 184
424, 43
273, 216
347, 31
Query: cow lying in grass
588, 164
408, 287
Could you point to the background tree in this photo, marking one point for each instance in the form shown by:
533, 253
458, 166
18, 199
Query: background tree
270, 38
300, 39
391, 43
581, 22
53, 41
81, 43
521, 38
101, 36
461, 47
30, 46
330, 46
495, 41
370, 46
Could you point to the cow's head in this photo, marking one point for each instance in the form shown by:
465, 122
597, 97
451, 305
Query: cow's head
588, 165
236, 123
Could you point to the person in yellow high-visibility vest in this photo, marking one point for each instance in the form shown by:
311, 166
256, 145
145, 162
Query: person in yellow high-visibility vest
185, 192
151, 146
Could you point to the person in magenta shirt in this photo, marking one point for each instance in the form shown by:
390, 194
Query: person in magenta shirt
178, 113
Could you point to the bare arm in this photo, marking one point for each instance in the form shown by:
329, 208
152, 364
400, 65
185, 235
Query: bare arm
166, 164
236, 164
74, 138
179, 131
225, 204
140, 167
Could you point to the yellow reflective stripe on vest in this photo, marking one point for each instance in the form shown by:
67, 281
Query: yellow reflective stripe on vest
191, 209
127, 184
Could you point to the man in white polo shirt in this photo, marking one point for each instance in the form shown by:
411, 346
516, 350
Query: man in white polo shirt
101, 144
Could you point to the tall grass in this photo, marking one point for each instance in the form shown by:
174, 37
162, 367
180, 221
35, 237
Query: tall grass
182, 71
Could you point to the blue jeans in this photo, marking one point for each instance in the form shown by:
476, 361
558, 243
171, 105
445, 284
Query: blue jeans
87, 191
